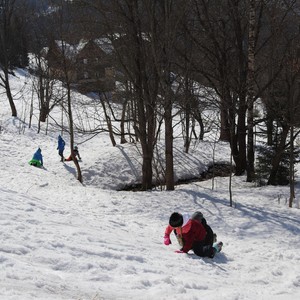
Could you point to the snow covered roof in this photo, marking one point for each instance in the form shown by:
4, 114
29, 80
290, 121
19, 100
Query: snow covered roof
105, 44
69, 50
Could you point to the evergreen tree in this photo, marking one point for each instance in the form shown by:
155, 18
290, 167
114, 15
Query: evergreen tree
265, 155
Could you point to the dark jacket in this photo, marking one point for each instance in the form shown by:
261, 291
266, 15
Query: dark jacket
192, 232
61, 144
209, 239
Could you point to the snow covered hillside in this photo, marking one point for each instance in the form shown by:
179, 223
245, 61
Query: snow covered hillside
63, 240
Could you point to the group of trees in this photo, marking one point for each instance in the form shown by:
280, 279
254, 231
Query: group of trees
13, 45
242, 50
239, 50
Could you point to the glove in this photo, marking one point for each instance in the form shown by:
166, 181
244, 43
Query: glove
178, 251
167, 240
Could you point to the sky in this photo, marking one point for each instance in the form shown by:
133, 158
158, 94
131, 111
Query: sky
64, 240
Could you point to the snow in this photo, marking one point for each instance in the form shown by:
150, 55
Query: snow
64, 240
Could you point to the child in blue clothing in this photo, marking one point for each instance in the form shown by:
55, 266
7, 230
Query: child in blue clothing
61, 147
37, 159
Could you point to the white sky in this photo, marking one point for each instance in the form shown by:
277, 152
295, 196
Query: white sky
64, 240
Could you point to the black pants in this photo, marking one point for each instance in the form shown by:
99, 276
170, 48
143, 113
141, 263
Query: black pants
203, 250
61, 154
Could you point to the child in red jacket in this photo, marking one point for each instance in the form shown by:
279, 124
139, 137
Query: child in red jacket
191, 236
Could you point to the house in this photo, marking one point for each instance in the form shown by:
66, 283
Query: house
60, 57
94, 66
89, 64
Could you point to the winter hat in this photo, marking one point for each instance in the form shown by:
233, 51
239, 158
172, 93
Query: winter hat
176, 219
197, 216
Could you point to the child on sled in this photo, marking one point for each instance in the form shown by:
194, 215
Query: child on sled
37, 159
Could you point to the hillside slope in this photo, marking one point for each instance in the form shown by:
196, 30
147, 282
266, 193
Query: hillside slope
64, 240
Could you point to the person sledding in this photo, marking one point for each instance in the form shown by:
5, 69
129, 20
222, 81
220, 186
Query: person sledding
37, 159
61, 148
192, 235
76, 153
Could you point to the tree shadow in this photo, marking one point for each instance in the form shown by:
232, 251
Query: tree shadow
70, 169
288, 222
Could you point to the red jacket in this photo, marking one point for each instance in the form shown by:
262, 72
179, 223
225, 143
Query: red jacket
192, 231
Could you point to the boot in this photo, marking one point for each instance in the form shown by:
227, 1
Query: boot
218, 246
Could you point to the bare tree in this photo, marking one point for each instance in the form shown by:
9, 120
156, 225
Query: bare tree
43, 80
67, 65
218, 31
126, 26
232, 41
12, 45
165, 18
108, 119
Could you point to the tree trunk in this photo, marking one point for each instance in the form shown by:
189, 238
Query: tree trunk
147, 154
122, 125
278, 155
251, 83
71, 125
44, 113
224, 129
108, 122
147, 170
292, 109
9, 95
169, 146
291, 173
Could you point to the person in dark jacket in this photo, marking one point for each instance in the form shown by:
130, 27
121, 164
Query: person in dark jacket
211, 237
61, 147
192, 234
37, 159
76, 153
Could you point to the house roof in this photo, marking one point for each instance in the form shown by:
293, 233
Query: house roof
103, 43
69, 50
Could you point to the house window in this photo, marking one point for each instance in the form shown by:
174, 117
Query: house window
85, 61
98, 75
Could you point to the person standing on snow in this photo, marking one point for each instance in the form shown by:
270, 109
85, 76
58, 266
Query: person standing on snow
37, 159
191, 235
61, 147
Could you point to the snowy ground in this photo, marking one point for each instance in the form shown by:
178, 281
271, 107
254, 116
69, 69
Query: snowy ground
64, 240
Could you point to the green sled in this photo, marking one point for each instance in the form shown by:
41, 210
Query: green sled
35, 163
